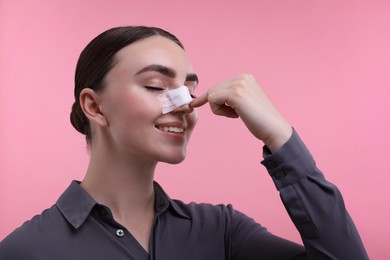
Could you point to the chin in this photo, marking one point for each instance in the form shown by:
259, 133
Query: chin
174, 159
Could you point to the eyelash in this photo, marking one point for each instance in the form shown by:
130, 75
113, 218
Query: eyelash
154, 89
158, 89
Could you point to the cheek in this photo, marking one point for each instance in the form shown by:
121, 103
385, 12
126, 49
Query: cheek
146, 108
134, 108
192, 119
141, 103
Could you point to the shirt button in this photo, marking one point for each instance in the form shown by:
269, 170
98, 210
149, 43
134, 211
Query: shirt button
271, 165
120, 232
280, 175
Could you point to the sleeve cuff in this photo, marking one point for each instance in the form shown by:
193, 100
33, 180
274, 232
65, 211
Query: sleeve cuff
291, 163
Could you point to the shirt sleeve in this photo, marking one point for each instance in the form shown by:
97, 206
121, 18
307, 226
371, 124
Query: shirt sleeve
315, 205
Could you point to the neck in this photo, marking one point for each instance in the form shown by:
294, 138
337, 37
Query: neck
123, 185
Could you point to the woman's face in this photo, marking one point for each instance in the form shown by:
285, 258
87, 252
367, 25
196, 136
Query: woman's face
136, 126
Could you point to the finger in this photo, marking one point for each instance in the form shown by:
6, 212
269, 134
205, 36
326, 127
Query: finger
223, 110
199, 101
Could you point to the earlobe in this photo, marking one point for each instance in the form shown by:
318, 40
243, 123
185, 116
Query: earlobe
90, 104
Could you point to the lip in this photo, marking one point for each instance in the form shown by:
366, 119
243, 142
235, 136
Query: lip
178, 124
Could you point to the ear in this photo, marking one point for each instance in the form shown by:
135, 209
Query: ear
90, 104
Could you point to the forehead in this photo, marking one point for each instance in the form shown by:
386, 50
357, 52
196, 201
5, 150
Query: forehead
153, 50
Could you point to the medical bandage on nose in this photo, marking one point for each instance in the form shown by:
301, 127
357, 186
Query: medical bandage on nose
174, 98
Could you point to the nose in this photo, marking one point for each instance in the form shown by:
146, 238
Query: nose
185, 109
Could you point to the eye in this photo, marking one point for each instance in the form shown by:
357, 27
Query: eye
191, 90
154, 89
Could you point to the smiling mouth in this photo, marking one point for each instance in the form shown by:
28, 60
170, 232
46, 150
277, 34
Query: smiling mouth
172, 129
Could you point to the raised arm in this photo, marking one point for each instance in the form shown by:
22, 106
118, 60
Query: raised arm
315, 206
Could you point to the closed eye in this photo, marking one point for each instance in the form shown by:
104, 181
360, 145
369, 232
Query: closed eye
154, 89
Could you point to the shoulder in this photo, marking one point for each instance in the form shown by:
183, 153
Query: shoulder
214, 214
199, 210
34, 235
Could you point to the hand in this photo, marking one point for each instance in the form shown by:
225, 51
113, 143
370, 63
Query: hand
242, 97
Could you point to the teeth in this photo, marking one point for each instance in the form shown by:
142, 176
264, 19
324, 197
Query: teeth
172, 129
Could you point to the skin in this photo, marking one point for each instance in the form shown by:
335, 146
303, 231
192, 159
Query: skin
128, 137
242, 97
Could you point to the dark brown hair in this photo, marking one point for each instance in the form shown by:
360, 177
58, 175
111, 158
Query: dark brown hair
97, 59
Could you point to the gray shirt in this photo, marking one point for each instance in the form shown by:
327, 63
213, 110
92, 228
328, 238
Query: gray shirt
77, 227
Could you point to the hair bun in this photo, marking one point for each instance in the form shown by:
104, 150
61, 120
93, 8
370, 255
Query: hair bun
78, 119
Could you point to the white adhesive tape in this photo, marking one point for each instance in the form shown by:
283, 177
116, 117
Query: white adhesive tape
174, 98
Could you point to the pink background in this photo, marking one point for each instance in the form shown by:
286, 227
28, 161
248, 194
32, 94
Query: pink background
325, 64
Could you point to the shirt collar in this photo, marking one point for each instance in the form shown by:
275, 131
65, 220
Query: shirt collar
163, 201
76, 204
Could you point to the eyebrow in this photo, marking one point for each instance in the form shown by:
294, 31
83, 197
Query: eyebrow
169, 72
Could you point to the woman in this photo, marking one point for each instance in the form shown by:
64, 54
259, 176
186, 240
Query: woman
119, 212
